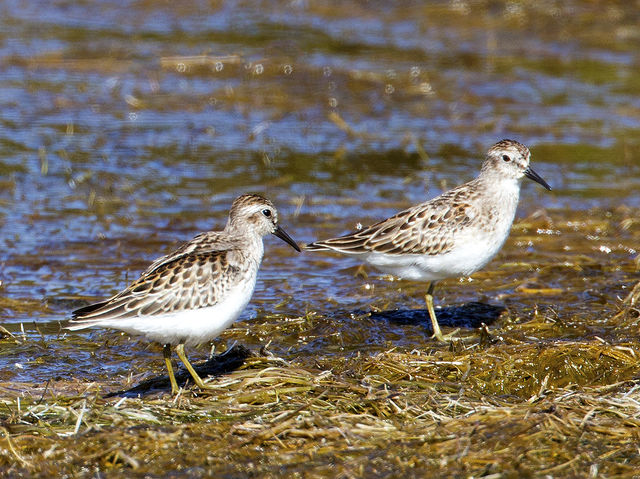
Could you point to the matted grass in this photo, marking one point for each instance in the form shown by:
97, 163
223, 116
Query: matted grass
487, 406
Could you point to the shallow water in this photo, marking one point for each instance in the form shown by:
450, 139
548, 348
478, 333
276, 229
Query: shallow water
126, 129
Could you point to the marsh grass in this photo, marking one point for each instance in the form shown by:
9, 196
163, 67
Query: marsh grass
490, 405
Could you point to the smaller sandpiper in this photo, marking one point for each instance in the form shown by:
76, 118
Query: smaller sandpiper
191, 295
452, 235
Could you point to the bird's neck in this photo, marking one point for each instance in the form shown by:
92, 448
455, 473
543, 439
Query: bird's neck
500, 194
248, 237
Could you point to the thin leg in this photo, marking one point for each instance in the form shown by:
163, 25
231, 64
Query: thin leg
196, 379
166, 352
437, 333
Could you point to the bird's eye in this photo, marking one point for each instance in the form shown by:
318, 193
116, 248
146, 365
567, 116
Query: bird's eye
267, 213
506, 158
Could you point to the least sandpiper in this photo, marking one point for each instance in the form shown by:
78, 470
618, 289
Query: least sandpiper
452, 235
191, 295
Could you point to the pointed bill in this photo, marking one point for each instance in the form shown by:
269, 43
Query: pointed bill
282, 234
532, 175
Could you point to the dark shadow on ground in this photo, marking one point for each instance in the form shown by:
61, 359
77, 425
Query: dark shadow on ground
216, 366
469, 315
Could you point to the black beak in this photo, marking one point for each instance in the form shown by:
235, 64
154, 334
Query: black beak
282, 234
532, 175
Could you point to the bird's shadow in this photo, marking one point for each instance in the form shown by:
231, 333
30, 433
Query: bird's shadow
216, 366
469, 315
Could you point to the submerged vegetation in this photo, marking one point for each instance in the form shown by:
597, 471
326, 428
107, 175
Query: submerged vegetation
517, 395
489, 404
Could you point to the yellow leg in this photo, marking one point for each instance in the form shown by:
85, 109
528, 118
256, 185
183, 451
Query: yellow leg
166, 351
437, 333
196, 379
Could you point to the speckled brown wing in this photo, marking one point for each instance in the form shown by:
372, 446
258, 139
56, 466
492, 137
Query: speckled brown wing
204, 241
190, 280
424, 229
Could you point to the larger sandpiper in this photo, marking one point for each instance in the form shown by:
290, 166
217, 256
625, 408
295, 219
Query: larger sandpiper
452, 235
191, 295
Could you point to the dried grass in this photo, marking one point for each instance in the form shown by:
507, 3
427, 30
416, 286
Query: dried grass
492, 408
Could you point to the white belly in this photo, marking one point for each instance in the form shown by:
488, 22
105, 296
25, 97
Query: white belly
467, 257
193, 327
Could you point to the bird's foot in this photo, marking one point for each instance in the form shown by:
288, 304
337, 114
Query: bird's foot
445, 338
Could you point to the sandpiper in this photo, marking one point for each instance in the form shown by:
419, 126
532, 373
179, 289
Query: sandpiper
452, 235
191, 295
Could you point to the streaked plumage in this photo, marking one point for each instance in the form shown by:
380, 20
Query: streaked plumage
452, 235
191, 295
